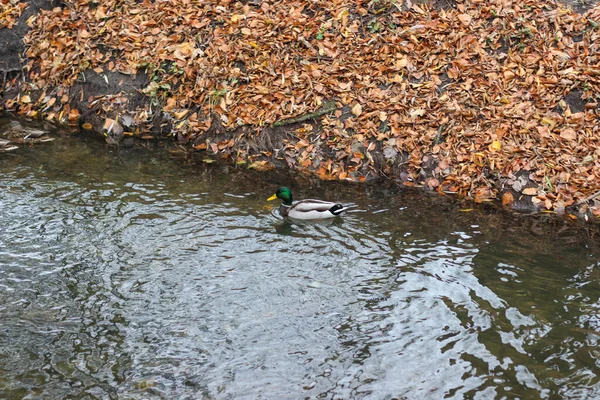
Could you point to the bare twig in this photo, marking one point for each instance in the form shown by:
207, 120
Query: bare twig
592, 197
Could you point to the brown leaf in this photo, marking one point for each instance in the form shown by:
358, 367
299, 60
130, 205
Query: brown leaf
108, 124
507, 199
568, 134
465, 19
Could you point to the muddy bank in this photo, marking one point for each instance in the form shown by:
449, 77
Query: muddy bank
490, 102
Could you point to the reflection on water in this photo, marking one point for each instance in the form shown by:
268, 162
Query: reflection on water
124, 274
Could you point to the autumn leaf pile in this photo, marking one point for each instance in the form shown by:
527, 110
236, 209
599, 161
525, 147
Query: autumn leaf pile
481, 88
10, 11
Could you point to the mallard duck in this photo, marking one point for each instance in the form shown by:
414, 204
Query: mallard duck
308, 209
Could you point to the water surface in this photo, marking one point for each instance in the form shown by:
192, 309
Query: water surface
130, 273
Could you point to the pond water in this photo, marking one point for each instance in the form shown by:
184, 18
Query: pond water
133, 273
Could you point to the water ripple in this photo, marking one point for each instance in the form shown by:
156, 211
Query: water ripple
126, 280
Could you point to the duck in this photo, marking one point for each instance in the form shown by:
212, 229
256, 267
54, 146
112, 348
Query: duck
308, 209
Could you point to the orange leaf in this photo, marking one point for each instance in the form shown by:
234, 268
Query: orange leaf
507, 198
73, 114
171, 103
529, 191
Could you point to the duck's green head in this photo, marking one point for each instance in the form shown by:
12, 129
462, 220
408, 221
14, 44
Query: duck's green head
284, 194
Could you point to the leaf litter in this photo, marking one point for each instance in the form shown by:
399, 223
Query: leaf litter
479, 88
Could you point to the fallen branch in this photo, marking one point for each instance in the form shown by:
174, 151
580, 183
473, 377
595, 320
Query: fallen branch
328, 107
592, 197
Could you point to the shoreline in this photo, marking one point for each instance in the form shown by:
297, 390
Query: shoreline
484, 102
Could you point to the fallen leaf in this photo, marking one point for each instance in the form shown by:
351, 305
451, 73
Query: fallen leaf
260, 165
108, 124
465, 19
496, 145
507, 199
419, 112
568, 134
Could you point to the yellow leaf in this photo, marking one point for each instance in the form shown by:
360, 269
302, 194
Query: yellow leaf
548, 121
496, 145
260, 165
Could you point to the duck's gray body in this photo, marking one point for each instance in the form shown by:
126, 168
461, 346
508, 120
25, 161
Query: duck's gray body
311, 209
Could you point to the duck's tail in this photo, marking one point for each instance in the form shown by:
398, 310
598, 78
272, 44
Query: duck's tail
338, 209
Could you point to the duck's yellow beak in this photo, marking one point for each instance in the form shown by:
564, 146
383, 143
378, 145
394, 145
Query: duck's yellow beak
272, 197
